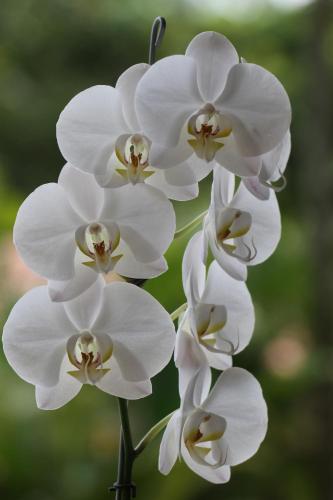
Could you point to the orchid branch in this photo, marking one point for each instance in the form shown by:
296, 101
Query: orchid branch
191, 225
152, 433
175, 315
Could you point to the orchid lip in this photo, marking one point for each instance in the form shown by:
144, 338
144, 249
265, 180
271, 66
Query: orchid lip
208, 127
99, 241
202, 436
87, 355
133, 153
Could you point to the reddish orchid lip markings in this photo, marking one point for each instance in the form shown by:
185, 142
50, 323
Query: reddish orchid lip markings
86, 354
133, 152
208, 127
99, 243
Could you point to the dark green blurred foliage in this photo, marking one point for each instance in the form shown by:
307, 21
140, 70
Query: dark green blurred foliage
49, 51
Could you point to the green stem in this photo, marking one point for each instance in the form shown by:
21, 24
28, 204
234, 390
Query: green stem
152, 433
178, 312
125, 487
191, 225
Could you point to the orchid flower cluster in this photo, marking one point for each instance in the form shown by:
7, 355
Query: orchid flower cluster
102, 229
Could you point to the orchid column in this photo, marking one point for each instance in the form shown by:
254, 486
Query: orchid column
104, 227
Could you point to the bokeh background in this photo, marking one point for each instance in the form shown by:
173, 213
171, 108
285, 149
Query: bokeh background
49, 51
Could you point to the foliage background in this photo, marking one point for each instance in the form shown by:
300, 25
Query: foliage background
49, 51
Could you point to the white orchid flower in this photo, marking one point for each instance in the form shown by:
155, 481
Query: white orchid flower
231, 111
62, 227
273, 165
221, 430
240, 229
219, 321
99, 131
114, 336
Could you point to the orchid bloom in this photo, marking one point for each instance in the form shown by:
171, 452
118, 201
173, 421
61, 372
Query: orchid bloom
219, 321
240, 230
227, 110
62, 227
99, 132
273, 165
114, 336
215, 431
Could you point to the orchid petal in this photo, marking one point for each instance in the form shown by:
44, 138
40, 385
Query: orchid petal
52, 398
194, 270
215, 56
35, 336
169, 449
138, 211
237, 396
83, 192
83, 310
84, 277
114, 383
258, 107
140, 329
44, 232
89, 126
167, 90
265, 230
126, 86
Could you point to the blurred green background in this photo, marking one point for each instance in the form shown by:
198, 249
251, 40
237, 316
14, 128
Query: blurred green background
49, 51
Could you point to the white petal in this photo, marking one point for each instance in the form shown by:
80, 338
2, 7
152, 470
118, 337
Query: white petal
179, 193
189, 359
223, 186
145, 217
222, 289
274, 162
83, 192
258, 107
231, 265
140, 328
196, 390
231, 158
131, 268
165, 157
126, 86
215, 56
218, 360
194, 269
52, 398
83, 310
201, 168
216, 476
265, 230
84, 277
180, 175
169, 449
169, 90
237, 396
44, 232
255, 187
35, 337
114, 383
89, 126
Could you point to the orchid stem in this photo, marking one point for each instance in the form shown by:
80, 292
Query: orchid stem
152, 433
124, 487
156, 36
191, 225
175, 315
